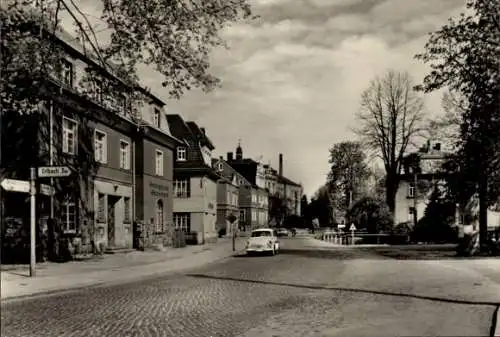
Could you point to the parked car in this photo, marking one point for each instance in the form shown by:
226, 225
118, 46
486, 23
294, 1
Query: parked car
263, 240
283, 232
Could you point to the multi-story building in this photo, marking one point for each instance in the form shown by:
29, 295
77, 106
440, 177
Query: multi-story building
415, 190
411, 197
227, 196
284, 189
195, 181
256, 210
154, 162
248, 217
89, 122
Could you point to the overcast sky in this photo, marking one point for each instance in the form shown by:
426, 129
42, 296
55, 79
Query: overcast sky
292, 79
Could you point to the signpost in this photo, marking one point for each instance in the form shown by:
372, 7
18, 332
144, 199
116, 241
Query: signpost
23, 186
53, 171
32, 221
232, 219
352, 229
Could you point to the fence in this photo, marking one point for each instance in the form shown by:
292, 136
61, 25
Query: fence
344, 238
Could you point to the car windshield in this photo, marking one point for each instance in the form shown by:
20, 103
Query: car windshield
260, 233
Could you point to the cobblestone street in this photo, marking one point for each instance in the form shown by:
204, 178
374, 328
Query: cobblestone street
285, 295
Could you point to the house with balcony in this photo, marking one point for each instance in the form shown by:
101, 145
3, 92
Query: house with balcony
88, 122
195, 181
256, 208
228, 191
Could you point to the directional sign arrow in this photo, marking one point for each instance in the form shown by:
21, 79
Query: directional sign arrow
14, 185
53, 171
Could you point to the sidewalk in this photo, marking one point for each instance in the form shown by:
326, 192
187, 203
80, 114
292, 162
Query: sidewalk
109, 269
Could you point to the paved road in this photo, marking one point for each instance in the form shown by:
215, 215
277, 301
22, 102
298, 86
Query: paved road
285, 295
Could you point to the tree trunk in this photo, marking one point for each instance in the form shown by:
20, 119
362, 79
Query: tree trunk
390, 194
483, 211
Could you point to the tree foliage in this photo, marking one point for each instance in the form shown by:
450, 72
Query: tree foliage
371, 215
321, 208
439, 216
391, 117
348, 174
175, 37
464, 56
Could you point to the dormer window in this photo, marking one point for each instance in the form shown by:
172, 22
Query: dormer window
181, 153
219, 167
156, 117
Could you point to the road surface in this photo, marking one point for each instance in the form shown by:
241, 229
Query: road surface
296, 293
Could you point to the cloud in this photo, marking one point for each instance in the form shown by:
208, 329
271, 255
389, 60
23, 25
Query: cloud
292, 79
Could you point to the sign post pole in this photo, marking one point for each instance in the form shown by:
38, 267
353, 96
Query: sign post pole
352, 229
232, 219
32, 222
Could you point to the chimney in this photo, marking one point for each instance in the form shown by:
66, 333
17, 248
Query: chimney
280, 165
437, 146
229, 156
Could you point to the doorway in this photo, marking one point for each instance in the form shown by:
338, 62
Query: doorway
112, 200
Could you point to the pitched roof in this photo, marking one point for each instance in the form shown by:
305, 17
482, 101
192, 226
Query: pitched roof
200, 134
287, 181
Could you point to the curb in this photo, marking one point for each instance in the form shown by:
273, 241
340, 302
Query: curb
148, 276
495, 324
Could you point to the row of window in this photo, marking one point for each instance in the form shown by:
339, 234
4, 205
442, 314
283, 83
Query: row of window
66, 76
101, 150
70, 141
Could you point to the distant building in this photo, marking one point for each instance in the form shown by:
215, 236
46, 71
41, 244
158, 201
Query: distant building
195, 181
254, 198
429, 176
228, 194
283, 188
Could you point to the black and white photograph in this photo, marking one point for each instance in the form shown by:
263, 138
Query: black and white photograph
250, 168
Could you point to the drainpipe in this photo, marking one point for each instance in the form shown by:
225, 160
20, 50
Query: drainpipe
133, 181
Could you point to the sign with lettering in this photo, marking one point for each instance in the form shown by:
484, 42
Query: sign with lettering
53, 171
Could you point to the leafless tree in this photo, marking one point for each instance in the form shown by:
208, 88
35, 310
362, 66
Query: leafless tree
390, 118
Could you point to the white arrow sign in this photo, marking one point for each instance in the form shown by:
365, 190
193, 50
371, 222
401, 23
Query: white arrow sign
352, 228
23, 186
13, 185
53, 171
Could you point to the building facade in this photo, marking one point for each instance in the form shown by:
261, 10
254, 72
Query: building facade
91, 122
227, 197
283, 190
414, 191
195, 181
254, 198
154, 164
